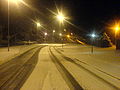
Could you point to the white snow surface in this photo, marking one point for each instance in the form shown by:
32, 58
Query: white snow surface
101, 69
45, 76
104, 62
14, 51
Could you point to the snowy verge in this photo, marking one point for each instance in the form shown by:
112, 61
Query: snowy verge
14, 52
104, 62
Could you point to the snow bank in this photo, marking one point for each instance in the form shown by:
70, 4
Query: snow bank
14, 51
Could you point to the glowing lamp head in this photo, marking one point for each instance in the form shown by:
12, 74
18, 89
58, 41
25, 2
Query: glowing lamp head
53, 31
38, 24
45, 34
71, 33
117, 28
60, 17
60, 34
15, 1
93, 35
68, 36
65, 30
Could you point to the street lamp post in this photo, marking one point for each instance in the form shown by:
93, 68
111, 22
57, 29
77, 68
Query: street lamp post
117, 28
92, 46
45, 36
68, 36
93, 38
61, 18
60, 34
65, 30
38, 25
8, 37
53, 35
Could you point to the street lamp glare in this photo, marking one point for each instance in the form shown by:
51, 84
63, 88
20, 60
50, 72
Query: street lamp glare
93, 35
38, 24
117, 28
64, 30
53, 31
71, 33
45, 34
60, 34
60, 17
68, 36
15, 1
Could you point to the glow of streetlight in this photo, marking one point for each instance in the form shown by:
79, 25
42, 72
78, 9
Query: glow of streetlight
60, 17
45, 34
71, 33
64, 30
15, 1
38, 24
68, 36
53, 31
93, 35
60, 34
117, 28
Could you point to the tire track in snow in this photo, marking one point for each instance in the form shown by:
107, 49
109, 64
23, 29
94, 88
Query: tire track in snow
13, 78
70, 80
92, 73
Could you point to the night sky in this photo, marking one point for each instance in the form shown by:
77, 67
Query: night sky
95, 13
86, 14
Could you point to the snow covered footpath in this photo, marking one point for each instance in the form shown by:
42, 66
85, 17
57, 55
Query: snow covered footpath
14, 51
103, 62
45, 75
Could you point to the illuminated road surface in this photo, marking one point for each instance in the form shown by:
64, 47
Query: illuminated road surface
54, 68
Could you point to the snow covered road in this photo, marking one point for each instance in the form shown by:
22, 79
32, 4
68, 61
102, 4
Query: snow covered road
56, 70
14, 72
72, 67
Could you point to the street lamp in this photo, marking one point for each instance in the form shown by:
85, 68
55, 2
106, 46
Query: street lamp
15, 1
93, 35
53, 31
45, 35
38, 24
53, 35
60, 17
10, 1
65, 30
117, 28
68, 36
71, 33
60, 34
